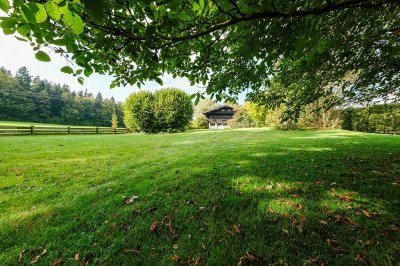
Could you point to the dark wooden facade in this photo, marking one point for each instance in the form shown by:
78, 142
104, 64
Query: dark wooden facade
218, 117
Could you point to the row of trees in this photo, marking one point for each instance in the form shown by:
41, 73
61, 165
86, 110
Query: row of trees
27, 98
251, 114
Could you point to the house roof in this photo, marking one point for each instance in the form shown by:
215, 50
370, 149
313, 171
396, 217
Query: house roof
217, 108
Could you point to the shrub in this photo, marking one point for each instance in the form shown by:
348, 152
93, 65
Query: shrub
114, 120
256, 112
139, 112
173, 109
241, 119
167, 110
200, 122
376, 118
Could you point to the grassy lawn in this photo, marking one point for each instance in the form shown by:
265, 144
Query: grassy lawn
211, 197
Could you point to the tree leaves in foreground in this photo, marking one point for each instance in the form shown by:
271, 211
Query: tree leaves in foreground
281, 52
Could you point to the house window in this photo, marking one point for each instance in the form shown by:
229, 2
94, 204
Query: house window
219, 124
225, 124
212, 124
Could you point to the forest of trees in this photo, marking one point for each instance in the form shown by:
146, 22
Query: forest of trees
27, 98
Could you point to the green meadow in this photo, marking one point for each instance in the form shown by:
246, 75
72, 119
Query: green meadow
229, 197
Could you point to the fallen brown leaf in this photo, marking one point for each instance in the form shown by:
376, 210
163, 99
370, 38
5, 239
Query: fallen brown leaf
323, 222
338, 217
395, 228
197, 261
168, 222
57, 261
286, 232
360, 259
311, 261
22, 254
372, 242
76, 257
153, 226
236, 228
345, 197
341, 250
229, 232
350, 222
175, 258
132, 250
131, 199
87, 259
331, 242
248, 257
37, 258
298, 206
366, 213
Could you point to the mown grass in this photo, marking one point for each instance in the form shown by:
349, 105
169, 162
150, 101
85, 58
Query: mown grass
253, 196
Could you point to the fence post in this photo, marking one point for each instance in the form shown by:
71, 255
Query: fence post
97, 130
69, 130
115, 130
32, 130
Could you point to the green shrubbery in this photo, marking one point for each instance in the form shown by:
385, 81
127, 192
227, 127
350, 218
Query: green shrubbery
167, 110
376, 118
173, 110
241, 119
200, 122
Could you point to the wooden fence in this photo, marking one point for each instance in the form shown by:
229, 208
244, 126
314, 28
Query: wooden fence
39, 130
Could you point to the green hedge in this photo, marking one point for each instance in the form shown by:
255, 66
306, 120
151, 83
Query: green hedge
376, 118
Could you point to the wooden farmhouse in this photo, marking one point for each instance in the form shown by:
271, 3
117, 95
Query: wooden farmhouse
218, 117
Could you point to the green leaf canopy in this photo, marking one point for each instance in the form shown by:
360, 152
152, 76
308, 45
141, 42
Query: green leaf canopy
280, 52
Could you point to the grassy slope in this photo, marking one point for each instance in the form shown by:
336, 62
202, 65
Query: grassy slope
66, 194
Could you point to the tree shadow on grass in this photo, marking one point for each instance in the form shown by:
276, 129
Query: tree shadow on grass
331, 201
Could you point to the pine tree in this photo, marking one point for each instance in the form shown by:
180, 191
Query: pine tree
24, 78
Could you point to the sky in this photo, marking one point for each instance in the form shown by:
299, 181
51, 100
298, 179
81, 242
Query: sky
14, 54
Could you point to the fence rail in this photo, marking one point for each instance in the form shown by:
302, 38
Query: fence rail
38, 130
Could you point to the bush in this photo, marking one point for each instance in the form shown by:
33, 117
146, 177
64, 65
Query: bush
173, 109
200, 122
167, 110
256, 112
376, 118
241, 119
139, 112
114, 120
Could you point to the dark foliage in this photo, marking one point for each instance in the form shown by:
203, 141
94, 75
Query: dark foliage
23, 98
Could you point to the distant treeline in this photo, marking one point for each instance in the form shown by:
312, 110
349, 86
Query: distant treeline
24, 98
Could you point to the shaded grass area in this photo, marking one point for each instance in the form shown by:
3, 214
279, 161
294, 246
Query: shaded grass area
253, 196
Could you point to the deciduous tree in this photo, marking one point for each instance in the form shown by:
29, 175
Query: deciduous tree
228, 45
